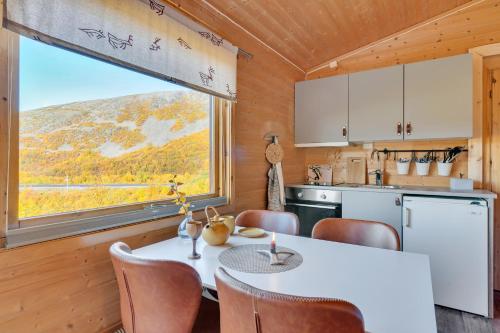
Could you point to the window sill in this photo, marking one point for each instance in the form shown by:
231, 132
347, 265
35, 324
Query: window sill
36, 234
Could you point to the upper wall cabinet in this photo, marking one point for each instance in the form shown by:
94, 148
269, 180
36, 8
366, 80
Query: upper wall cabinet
321, 112
376, 105
438, 98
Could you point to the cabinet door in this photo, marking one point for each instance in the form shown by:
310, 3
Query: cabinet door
438, 98
376, 105
321, 108
373, 206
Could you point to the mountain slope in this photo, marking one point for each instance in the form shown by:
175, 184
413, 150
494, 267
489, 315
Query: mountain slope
125, 139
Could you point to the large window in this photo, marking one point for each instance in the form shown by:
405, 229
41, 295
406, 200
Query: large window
95, 138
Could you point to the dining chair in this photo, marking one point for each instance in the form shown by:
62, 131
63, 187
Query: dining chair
358, 232
246, 309
282, 222
155, 295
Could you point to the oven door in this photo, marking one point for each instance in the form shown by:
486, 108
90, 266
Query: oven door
309, 213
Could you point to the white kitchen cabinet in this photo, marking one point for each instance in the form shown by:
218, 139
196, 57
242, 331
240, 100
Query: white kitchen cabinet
376, 105
454, 234
373, 206
321, 112
438, 98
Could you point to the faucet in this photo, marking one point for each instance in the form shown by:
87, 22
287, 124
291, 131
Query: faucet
378, 177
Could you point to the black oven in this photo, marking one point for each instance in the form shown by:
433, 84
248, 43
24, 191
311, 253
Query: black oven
312, 205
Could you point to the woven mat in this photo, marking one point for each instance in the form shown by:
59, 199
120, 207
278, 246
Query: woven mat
245, 258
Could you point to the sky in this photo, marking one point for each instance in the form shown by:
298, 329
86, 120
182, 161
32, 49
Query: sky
53, 76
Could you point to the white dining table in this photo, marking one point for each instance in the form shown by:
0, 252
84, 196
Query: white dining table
392, 289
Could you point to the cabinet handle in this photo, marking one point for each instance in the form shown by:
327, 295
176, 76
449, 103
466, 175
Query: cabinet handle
344, 132
399, 128
406, 217
408, 128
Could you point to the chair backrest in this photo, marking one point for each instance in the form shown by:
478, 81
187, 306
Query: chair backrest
282, 222
359, 232
245, 309
155, 295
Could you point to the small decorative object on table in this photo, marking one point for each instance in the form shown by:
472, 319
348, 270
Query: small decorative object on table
215, 232
180, 200
274, 258
194, 229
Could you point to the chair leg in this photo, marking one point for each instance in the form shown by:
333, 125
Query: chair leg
208, 320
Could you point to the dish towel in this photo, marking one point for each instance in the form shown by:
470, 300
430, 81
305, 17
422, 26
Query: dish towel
275, 187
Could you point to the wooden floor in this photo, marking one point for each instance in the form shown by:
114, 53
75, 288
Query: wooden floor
448, 320
453, 321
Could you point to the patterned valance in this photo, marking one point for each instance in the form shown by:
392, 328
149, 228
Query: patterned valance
146, 35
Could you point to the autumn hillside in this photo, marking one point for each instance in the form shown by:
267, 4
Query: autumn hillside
138, 139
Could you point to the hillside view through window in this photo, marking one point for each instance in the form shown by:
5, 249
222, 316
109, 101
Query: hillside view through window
94, 135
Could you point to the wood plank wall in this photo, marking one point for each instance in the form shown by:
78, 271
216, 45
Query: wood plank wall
337, 158
452, 33
265, 88
68, 285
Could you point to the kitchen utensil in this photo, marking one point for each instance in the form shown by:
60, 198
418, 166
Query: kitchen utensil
251, 232
356, 170
403, 166
422, 167
319, 174
228, 220
444, 168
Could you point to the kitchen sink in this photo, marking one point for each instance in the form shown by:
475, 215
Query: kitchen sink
389, 187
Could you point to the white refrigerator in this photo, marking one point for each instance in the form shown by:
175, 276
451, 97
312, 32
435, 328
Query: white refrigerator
454, 233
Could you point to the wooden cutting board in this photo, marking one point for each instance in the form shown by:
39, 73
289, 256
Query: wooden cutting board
356, 170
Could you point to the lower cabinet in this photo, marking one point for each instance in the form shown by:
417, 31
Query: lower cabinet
373, 206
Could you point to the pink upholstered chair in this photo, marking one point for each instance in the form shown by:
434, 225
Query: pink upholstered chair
359, 232
282, 222
245, 309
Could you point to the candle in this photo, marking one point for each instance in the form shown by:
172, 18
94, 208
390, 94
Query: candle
273, 243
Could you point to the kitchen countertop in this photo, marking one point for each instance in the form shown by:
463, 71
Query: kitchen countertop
417, 190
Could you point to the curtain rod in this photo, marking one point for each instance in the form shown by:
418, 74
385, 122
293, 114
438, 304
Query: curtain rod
245, 54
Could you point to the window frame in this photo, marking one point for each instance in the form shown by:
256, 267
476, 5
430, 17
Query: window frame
39, 228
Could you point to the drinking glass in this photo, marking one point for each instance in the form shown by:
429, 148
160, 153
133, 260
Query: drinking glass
193, 229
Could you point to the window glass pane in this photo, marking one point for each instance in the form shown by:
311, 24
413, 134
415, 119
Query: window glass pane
95, 135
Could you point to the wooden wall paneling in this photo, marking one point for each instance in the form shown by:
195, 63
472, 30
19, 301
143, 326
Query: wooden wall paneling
68, 285
337, 158
491, 143
4, 131
475, 144
476, 24
495, 168
265, 88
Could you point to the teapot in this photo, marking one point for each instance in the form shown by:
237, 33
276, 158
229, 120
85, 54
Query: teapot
215, 232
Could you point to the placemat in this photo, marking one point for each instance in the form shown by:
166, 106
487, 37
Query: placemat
245, 258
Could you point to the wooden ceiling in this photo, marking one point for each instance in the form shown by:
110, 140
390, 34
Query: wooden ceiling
310, 32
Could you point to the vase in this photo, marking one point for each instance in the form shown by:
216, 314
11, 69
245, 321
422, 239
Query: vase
181, 231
